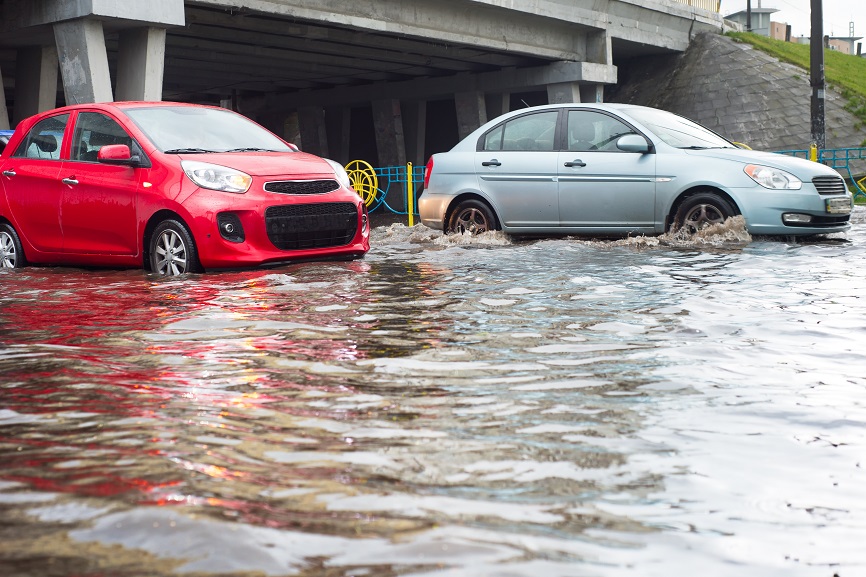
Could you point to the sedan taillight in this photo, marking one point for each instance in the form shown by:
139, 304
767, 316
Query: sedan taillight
427, 170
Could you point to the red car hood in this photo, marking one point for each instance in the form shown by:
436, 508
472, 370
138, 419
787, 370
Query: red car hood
295, 164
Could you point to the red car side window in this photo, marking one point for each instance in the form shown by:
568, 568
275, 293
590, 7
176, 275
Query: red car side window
45, 139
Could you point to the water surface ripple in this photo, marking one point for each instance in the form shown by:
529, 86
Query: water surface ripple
445, 407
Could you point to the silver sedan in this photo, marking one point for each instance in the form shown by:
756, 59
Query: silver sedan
614, 169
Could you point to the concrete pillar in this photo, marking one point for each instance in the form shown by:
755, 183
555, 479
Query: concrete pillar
140, 64
592, 93
599, 48
338, 124
390, 145
83, 61
388, 126
314, 136
564, 92
471, 112
497, 104
4, 114
415, 127
35, 81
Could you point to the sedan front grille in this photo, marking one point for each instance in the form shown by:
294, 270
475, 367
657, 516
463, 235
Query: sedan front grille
302, 186
830, 185
306, 226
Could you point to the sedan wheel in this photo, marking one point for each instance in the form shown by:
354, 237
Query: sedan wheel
172, 250
472, 216
11, 253
702, 210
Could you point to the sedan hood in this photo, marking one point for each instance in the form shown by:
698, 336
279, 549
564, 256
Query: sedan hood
268, 164
799, 167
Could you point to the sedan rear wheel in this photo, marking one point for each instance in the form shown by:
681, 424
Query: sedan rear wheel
11, 253
172, 250
702, 210
472, 216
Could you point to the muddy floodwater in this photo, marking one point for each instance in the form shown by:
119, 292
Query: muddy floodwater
445, 407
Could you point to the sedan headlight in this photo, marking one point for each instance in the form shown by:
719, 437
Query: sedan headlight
342, 175
773, 177
216, 177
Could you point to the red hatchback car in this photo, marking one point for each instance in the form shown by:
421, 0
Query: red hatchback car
175, 188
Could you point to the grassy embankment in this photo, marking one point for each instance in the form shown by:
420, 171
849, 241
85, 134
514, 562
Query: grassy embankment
844, 71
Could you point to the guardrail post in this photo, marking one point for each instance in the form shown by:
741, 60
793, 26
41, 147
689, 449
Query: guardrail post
410, 194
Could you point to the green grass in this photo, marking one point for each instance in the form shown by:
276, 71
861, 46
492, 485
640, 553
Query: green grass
844, 71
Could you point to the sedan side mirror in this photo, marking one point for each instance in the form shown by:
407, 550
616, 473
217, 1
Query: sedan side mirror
117, 154
633, 143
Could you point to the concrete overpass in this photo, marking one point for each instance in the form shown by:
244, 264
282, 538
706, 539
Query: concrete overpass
384, 80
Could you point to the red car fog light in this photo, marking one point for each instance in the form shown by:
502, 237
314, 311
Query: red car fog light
230, 227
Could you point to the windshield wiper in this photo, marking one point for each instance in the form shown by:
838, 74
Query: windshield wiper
187, 151
251, 149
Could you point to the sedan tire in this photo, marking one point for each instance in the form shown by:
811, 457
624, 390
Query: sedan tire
11, 252
472, 216
702, 210
172, 250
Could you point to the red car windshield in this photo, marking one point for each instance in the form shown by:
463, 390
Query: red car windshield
188, 129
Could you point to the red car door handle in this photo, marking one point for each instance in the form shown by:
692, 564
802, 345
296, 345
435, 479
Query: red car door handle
70, 180
9, 173
576, 162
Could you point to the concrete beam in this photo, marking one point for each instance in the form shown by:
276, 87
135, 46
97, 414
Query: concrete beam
512, 79
17, 15
35, 81
140, 61
83, 61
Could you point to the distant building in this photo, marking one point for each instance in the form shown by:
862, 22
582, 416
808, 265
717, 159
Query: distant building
760, 20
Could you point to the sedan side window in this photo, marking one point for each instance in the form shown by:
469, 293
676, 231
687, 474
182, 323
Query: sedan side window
529, 132
93, 131
590, 131
45, 139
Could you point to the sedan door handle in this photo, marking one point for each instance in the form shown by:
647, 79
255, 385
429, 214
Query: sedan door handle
576, 162
492, 162
70, 180
9, 173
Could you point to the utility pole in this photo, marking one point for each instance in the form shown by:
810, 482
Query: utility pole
816, 64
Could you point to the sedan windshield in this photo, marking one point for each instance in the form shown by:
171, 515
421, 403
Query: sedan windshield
186, 129
678, 131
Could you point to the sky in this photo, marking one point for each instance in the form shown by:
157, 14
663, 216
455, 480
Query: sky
837, 14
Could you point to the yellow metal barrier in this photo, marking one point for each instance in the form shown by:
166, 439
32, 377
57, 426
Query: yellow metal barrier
364, 180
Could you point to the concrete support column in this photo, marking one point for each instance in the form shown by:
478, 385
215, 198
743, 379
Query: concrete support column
83, 61
564, 92
390, 144
338, 124
35, 81
599, 48
314, 135
497, 104
4, 113
592, 93
140, 64
471, 112
415, 127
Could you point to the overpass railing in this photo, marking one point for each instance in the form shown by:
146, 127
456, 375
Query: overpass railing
710, 5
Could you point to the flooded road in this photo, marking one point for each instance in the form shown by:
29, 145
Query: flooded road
556, 408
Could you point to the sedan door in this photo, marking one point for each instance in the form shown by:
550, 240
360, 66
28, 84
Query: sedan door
516, 168
99, 200
602, 187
